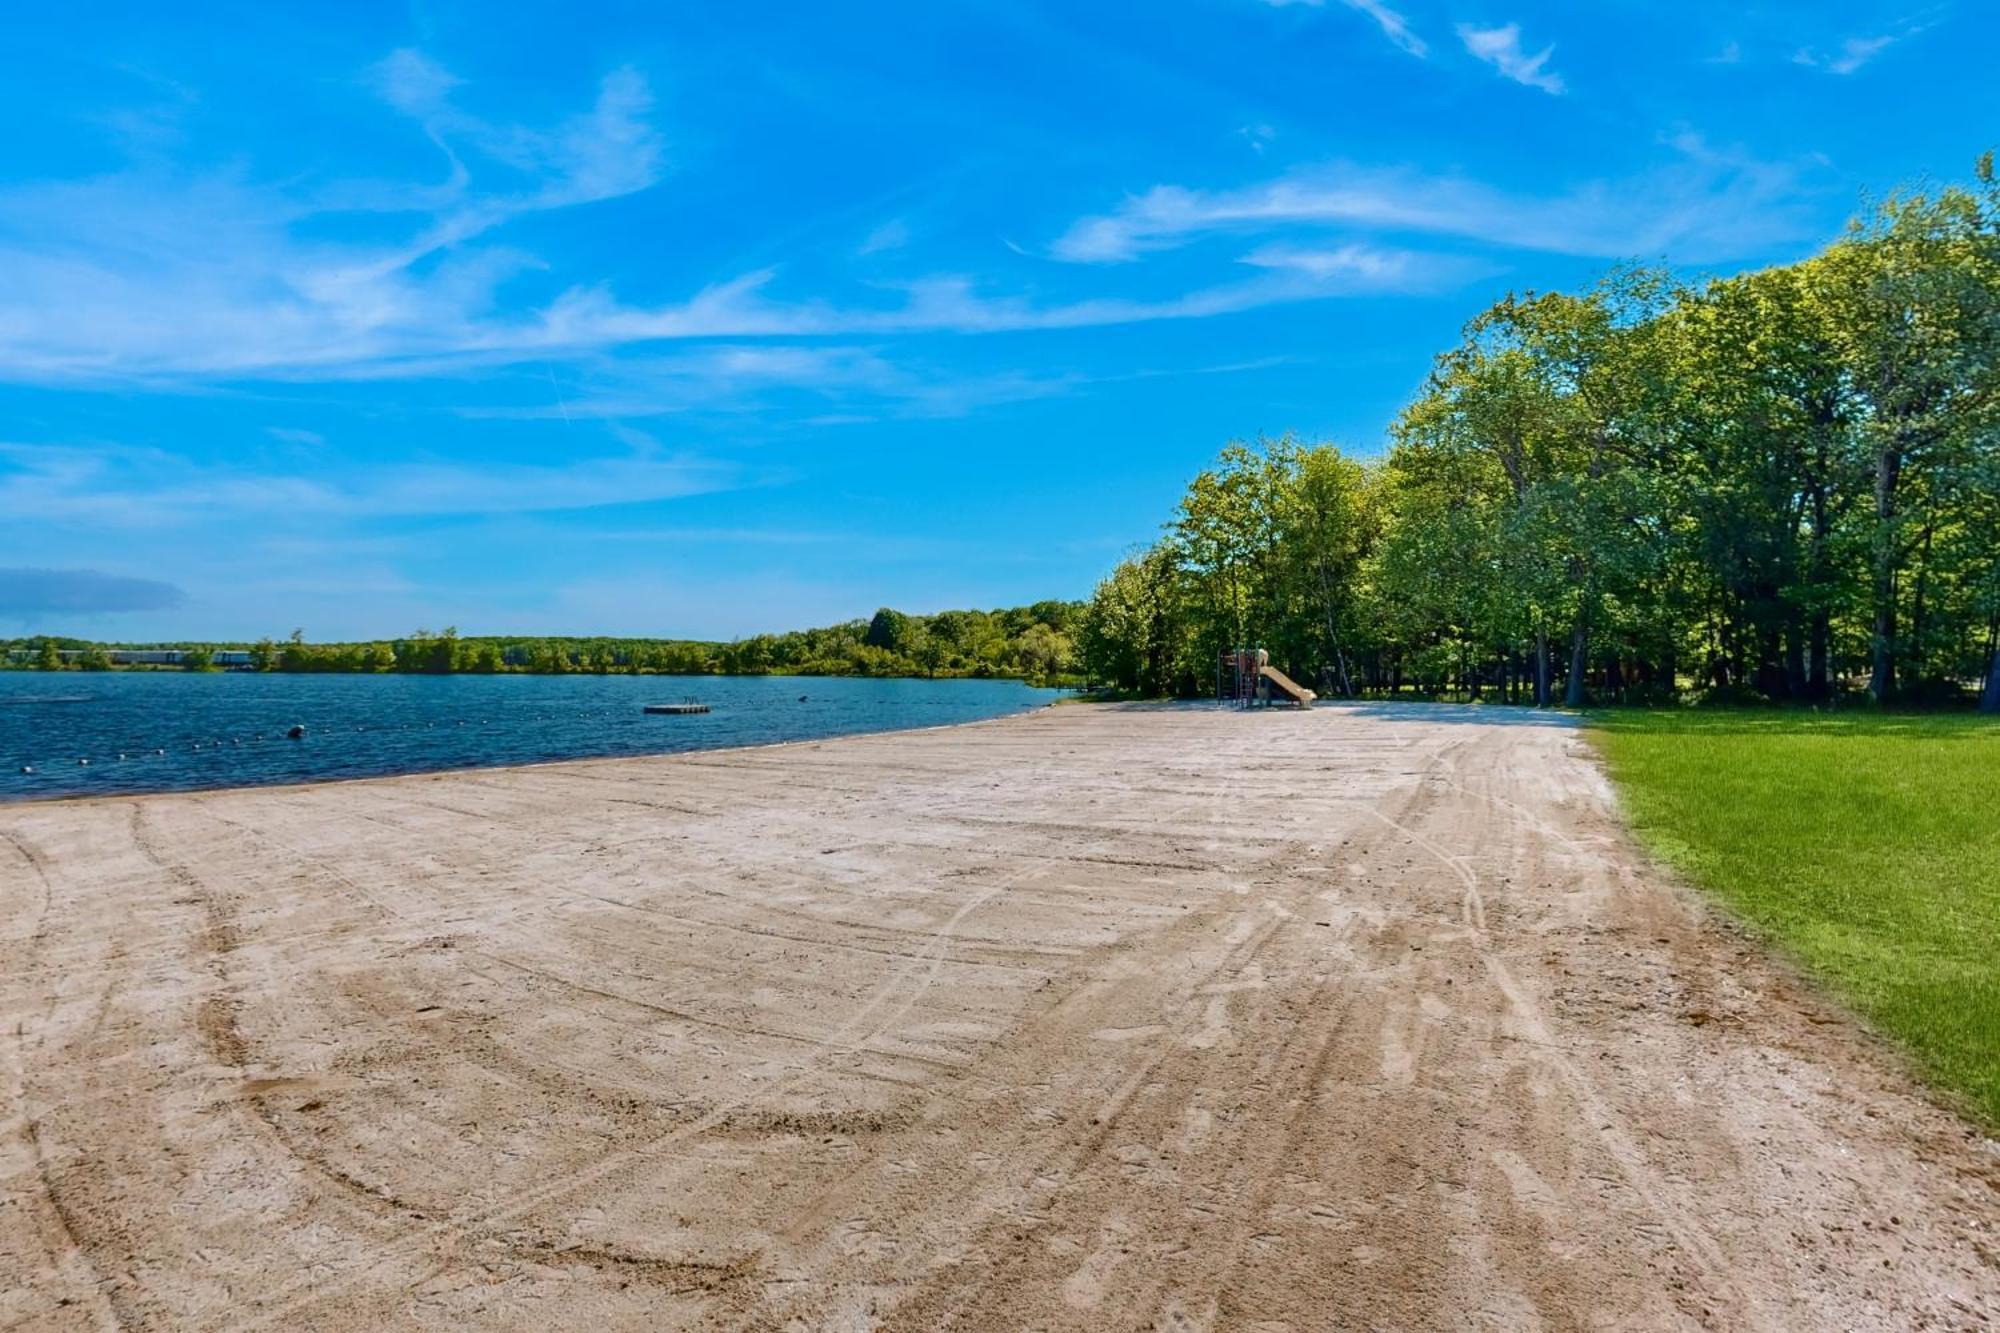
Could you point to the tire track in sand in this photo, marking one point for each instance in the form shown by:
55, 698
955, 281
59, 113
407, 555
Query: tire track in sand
917, 977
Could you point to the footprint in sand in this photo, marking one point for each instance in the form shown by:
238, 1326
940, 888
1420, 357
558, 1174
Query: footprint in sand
1176, 1317
1085, 1288
1214, 1029
857, 1239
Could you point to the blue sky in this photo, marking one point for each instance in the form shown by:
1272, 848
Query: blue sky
707, 319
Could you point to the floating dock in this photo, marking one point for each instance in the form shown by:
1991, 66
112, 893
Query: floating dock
677, 708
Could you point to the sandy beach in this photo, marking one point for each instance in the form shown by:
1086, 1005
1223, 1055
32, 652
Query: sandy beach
1362, 1017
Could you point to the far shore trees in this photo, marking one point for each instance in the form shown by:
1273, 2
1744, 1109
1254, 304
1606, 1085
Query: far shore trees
1035, 643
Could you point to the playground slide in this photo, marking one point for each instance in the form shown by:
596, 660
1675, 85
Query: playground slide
1288, 687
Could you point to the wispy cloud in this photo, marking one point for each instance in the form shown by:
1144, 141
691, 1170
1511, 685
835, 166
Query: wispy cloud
153, 276
1704, 206
945, 303
1389, 267
154, 271
750, 378
1501, 48
1851, 55
604, 153
1393, 25
131, 488
891, 235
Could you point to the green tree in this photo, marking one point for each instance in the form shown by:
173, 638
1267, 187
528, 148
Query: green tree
1916, 287
889, 630
1044, 654
1135, 629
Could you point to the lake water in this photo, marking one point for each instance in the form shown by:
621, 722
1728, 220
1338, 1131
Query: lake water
175, 731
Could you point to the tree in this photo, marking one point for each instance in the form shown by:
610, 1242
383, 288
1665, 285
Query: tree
889, 629
1917, 290
1135, 629
1044, 654
931, 651
1222, 526
50, 658
1327, 524
1551, 391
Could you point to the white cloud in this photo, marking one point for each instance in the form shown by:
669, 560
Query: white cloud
1708, 205
592, 317
131, 488
155, 272
413, 83
153, 276
1501, 48
1393, 25
1852, 55
756, 377
891, 235
1337, 262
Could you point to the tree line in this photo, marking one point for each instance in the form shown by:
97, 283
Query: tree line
1033, 643
1779, 486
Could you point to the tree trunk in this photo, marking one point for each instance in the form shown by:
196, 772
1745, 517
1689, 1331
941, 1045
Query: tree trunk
1820, 632
1541, 668
1579, 658
1913, 656
1989, 698
1818, 685
1882, 646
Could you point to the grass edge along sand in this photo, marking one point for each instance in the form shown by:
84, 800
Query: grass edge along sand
1864, 845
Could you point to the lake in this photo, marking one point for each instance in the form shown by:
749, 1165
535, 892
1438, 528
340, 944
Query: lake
177, 731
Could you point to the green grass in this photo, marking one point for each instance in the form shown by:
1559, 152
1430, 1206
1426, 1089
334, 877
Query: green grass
1865, 845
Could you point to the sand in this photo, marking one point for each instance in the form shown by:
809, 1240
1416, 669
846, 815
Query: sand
1355, 1018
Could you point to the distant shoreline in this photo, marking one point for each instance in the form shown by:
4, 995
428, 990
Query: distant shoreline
1032, 643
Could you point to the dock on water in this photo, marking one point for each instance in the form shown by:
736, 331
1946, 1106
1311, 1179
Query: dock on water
688, 707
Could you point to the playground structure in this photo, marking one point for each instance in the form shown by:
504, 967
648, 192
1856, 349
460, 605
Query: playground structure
1246, 679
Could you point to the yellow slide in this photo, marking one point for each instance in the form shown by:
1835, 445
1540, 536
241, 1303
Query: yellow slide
1288, 687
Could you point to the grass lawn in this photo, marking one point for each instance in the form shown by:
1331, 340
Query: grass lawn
1866, 845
